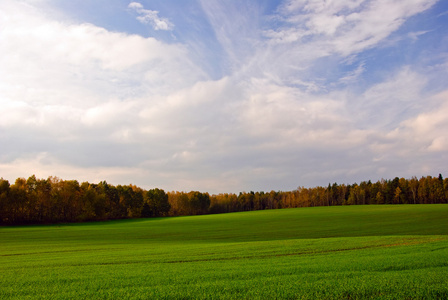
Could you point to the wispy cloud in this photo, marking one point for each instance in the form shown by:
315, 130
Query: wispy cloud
354, 75
236, 27
343, 27
416, 34
151, 17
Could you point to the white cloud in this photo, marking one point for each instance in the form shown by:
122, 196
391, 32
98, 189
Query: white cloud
79, 101
354, 75
147, 16
43, 165
55, 42
348, 27
385, 104
62, 83
428, 129
415, 35
74, 60
418, 145
135, 5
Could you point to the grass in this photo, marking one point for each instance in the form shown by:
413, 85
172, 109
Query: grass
355, 252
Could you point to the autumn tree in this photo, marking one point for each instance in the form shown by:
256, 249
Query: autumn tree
4, 201
413, 186
18, 201
198, 202
54, 200
155, 203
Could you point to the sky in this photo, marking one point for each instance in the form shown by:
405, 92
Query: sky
223, 96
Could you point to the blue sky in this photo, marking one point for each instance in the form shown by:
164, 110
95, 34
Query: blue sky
223, 96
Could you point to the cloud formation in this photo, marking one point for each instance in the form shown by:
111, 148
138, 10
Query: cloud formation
308, 95
147, 16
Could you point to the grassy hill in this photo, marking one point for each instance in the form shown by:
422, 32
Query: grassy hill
356, 252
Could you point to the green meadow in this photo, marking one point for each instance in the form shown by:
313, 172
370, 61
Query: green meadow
345, 252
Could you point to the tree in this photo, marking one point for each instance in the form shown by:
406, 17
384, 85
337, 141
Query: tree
198, 203
423, 189
54, 200
397, 195
405, 195
4, 201
379, 198
18, 202
88, 202
131, 197
437, 190
328, 194
146, 211
413, 185
43, 196
156, 203
357, 195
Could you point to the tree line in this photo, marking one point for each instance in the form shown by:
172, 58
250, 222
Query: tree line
53, 200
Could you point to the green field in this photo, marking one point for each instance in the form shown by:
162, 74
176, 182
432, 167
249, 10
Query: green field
352, 252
